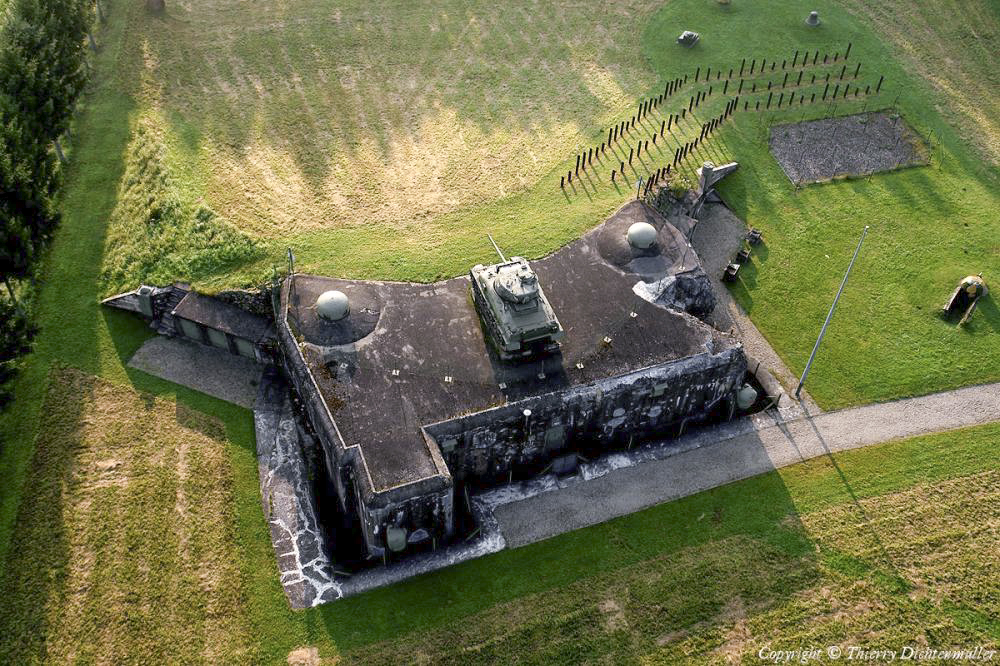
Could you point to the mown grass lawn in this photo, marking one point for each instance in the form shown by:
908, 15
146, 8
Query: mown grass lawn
358, 139
124, 547
929, 227
141, 540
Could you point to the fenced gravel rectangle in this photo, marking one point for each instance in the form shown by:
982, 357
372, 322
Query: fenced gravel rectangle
856, 145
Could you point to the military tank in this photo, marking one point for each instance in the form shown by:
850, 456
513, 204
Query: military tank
518, 319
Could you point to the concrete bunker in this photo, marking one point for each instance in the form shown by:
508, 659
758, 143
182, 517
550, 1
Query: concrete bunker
412, 404
177, 310
410, 408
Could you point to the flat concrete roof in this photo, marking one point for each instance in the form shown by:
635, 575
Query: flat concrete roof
414, 354
222, 316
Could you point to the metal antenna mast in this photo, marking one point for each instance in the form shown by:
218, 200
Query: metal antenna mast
829, 315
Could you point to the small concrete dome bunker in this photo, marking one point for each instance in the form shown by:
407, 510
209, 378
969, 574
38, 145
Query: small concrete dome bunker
333, 305
641, 235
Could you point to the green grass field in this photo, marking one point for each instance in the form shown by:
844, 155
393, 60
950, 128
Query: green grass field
386, 143
142, 541
268, 162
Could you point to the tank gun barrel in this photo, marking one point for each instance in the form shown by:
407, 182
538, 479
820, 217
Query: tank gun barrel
497, 248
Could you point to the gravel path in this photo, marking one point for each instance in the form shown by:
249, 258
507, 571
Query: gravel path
716, 238
213, 371
732, 457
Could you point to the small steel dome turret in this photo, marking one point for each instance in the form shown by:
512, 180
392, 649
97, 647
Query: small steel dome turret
973, 284
333, 305
641, 235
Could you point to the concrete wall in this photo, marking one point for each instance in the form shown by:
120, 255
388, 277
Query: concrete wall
428, 514
193, 330
486, 445
426, 504
645, 404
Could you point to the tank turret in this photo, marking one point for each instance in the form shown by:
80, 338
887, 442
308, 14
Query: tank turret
517, 317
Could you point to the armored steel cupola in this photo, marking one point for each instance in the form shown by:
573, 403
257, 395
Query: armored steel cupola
966, 297
517, 318
333, 305
641, 235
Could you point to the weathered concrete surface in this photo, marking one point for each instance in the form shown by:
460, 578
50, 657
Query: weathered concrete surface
518, 514
690, 292
215, 372
487, 540
287, 498
716, 456
411, 354
717, 236
411, 362
222, 316
302, 552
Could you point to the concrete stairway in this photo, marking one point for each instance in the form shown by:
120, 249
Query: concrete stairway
166, 325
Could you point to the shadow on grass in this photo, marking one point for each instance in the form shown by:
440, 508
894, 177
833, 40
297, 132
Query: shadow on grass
759, 509
741, 293
761, 251
733, 191
912, 185
748, 276
37, 562
67, 300
986, 311
855, 563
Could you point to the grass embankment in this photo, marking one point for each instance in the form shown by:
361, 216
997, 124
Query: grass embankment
390, 151
387, 140
77, 333
153, 233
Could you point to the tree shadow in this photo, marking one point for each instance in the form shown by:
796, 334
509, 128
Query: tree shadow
323, 88
41, 432
37, 565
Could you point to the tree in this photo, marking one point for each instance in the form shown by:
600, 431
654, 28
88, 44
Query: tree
16, 334
41, 78
42, 63
42, 75
28, 183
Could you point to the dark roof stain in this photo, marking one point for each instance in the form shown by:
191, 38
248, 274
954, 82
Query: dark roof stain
417, 354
